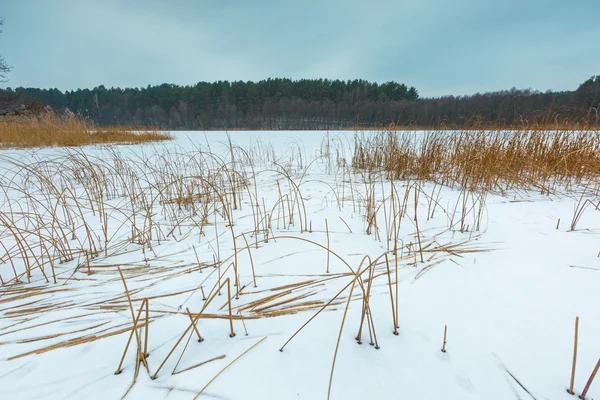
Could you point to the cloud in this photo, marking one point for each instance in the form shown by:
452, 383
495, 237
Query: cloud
438, 46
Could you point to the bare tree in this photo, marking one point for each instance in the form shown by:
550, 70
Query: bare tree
4, 67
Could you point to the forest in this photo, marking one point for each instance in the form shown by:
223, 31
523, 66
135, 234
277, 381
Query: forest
306, 104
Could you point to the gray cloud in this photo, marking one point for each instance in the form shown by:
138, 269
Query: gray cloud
441, 47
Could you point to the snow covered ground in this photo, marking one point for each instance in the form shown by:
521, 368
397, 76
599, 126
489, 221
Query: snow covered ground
498, 272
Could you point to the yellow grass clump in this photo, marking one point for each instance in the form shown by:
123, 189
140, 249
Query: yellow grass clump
68, 129
495, 160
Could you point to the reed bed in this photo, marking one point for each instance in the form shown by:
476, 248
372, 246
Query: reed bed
68, 129
485, 160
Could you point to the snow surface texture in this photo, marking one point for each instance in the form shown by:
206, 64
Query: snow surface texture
508, 291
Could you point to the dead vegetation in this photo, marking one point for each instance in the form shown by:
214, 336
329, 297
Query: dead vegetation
51, 129
485, 160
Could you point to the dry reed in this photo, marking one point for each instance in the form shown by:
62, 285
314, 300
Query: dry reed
51, 129
495, 160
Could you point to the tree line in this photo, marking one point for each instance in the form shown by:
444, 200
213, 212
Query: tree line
307, 104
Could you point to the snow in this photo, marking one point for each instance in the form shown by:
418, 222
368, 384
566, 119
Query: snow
508, 293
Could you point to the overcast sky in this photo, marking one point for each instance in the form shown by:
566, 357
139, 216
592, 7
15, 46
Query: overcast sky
439, 46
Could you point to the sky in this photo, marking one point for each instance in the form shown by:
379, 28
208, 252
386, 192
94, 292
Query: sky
441, 47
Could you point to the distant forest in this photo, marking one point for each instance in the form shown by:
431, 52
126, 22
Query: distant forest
306, 104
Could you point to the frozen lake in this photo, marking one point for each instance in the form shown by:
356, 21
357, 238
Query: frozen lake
241, 243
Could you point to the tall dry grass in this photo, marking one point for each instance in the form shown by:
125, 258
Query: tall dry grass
51, 129
489, 160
